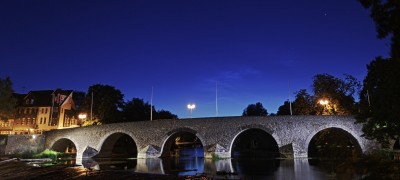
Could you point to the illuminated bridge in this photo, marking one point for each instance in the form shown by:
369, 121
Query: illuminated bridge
218, 136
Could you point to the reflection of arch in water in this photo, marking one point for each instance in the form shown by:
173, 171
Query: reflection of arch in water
348, 147
118, 145
66, 146
254, 142
172, 136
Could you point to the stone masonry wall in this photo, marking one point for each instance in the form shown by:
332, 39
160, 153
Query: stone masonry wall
216, 134
18, 144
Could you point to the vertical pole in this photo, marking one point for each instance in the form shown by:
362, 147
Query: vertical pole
151, 104
91, 108
290, 102
216, 98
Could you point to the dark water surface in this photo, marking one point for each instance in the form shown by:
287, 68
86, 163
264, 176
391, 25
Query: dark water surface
191, 163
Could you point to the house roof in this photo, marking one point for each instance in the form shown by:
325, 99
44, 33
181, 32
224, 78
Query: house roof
45, 97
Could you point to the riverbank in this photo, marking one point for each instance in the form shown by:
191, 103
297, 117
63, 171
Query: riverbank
15, 169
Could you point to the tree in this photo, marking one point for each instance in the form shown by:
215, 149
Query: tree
338, 92
385, 14
7, 100
163, 114
304, 103
379, 98
107, 102
284, 109
255, 110
379, 101
136, 110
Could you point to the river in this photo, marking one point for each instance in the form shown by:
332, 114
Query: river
191, 163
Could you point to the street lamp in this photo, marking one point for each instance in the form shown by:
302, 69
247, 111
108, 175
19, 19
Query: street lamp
82, 117
191, 107
324, 102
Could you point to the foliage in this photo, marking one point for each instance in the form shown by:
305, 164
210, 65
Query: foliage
47, 153
164, 114
379, 101
107, 101
303, 104
7, 100
338, 92
138, 110
90, 122
385, 14
284, 109
255, 110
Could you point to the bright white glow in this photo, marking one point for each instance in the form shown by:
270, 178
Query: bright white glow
34, 136
191, 106
82, 116
323, 102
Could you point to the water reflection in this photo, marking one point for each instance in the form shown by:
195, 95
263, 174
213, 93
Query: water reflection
225, 168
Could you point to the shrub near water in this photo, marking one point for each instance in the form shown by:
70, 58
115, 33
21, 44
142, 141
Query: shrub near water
48, 154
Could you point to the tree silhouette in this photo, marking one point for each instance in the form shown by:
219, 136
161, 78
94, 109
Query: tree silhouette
255, 110
107, 101
7, 100
284, 109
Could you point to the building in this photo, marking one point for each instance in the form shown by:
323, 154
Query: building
44, 110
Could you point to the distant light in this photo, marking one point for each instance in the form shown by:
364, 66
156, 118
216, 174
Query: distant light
82, 116
191, 106
34, 136
323, 102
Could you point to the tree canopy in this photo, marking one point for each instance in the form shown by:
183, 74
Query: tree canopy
7, 100
337, 93
379, 101
255, 110
385, 14
379, 98
107, 101
138, 110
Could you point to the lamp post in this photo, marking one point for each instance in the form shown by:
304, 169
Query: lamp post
324, 103
191, 107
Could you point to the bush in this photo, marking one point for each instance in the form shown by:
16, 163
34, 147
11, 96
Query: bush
47, 153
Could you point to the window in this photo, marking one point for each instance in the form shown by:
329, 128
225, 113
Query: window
41, 120
23, 121
44, 122
30, 111
42, 110
46, 110
25, 111
32, 101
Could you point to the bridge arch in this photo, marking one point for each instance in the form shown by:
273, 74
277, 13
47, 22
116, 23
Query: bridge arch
107, 144
266, 132
344, 128
169, 139
64, 145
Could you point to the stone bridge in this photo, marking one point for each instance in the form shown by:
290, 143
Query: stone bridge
217, 135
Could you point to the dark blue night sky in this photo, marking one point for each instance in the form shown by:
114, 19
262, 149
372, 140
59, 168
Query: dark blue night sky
252, 48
